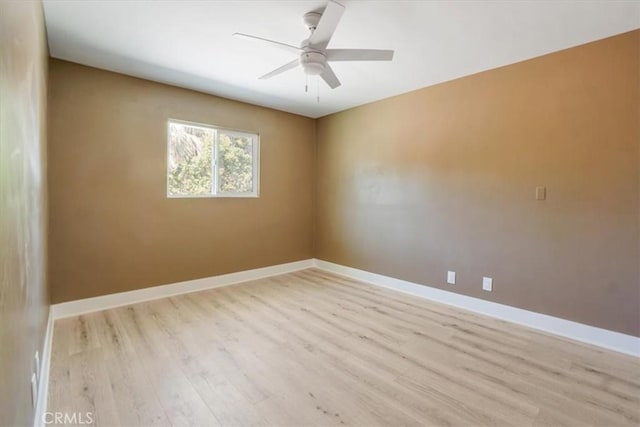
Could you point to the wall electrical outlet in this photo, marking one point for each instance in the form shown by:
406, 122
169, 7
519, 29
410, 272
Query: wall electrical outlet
34, 390
37, 360
451, 277
487, 284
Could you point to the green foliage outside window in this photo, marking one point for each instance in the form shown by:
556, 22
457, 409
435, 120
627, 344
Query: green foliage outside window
190, 160
235, 164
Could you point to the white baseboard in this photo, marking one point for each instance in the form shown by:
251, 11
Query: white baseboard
88, 305
43, 382
589, 334
577, 331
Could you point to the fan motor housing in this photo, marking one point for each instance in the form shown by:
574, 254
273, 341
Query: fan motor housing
313, 63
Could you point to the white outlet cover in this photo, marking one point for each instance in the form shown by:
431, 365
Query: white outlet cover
487, 284
34, 390
37, 359
451, 277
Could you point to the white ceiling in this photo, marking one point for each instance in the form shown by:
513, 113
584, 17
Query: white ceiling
189, 43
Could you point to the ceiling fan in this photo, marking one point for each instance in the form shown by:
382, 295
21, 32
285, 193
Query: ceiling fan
314, 57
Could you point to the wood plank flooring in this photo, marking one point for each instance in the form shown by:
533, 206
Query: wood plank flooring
312, 348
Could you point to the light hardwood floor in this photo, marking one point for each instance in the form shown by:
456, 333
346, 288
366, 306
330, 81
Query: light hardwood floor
312, 348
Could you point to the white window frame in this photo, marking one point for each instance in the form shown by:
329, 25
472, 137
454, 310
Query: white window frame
214, 179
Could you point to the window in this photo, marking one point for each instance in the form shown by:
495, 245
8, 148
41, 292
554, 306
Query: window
206, 161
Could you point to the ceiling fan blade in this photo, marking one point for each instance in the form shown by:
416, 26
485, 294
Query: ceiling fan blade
327, 25
359, 55
280, 70
287, 47
330, 77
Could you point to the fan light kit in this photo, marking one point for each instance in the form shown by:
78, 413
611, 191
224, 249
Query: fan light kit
313, 63
313, 55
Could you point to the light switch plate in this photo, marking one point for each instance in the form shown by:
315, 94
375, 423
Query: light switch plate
487, 284
541, 193
451, 277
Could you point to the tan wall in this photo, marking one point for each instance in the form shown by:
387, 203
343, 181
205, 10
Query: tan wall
112, 227
24, 303
443, 179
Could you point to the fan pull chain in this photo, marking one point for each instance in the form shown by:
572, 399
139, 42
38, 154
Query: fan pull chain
318, 90
306, 83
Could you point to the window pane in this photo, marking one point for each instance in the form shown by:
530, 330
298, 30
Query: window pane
190, 160
235, 163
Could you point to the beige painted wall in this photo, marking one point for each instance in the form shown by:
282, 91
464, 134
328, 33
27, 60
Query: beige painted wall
113, 229
443, 178
24, 303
